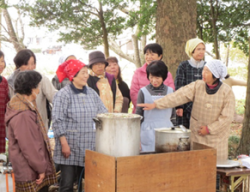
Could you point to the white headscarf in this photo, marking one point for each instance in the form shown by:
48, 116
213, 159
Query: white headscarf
63, 58
217, 68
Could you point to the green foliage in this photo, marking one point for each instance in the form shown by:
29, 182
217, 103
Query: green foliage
81, 21
240, 106
143, 15
231, 19
233, 143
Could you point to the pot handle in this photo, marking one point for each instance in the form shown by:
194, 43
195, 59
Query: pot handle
98, 123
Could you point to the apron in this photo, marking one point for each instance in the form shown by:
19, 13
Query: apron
155, 118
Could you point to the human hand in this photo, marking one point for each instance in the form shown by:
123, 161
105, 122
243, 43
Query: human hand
179, 112
202, 130
40, 179
65, 147
147, 106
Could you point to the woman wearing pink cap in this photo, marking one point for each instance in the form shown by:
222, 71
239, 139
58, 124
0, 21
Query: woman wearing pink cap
74, 107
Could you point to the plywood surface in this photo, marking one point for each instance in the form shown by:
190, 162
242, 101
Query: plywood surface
99, 172
192, 171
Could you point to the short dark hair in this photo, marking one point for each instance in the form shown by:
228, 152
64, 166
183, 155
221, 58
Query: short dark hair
26, 81
1, 54
23, 56
158, 69
153, 47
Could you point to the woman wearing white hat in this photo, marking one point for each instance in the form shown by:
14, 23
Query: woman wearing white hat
213, 107
189, 71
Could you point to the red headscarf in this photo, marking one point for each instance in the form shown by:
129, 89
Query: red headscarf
69, 69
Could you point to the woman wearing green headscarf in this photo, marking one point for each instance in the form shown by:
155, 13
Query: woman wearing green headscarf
188, 72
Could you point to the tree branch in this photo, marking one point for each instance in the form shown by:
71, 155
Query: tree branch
116, 48
210, 54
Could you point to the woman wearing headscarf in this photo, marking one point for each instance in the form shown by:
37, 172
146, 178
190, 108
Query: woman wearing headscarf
66, 81
188, 72
74, 108
213, 107
29, 147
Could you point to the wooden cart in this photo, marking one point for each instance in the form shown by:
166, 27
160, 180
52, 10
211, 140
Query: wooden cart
187, 171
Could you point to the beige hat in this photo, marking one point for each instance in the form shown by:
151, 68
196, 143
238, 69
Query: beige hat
191, 45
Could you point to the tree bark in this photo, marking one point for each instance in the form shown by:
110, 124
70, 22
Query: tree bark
175, 24
18, 45
244, 146
227, 56
104, 29
136, 51
215, 32
143, 44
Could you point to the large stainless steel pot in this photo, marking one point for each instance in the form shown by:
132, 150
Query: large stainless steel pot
118, 134
172, 139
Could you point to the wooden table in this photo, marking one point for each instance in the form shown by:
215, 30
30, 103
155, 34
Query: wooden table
236, 176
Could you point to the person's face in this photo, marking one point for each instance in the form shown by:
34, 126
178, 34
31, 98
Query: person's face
70, 57
98, 68
81, 79
155, 81
2, 64
112, 68
30, 65
199, 52
35, 92
150, 56
207, 76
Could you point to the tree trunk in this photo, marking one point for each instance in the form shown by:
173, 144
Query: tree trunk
244, 146
11, 32
143, 44
104, 29
136, 51
227, 56
175, 24
215, 32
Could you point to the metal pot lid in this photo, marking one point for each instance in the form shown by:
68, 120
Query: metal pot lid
118, 116
170, 130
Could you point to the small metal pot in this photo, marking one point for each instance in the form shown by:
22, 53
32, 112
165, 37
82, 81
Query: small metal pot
172, 139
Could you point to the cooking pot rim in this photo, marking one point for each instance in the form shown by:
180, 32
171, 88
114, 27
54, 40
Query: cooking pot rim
118, 116
170, 131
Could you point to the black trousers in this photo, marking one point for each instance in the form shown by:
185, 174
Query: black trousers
68, 175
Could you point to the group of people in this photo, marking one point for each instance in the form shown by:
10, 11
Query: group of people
78, 92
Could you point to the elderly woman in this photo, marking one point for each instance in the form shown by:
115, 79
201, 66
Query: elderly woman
152, 52
188, 72
114, 69
213, 107
29, 148
104, 83
26, 60
4, 98
74, 108
66, 81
